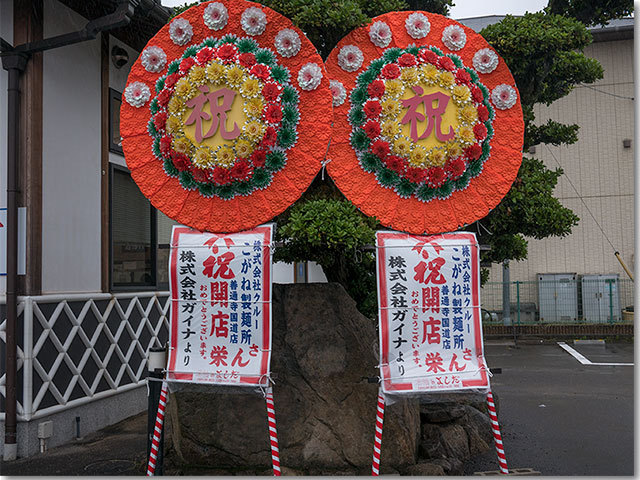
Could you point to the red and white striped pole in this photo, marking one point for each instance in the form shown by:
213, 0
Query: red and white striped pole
273, 433
497, 437
377, 442
157, 431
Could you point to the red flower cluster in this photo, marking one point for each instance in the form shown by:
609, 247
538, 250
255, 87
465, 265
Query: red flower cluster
372, 108
247, 59
390, 71
407, 60
376, 89
227, 53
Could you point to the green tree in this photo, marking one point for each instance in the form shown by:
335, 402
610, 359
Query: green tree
591, 12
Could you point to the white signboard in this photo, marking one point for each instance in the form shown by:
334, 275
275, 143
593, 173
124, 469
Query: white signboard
221, 306
429, 313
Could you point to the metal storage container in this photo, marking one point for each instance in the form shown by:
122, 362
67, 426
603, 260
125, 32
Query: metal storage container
600, 298
558, 297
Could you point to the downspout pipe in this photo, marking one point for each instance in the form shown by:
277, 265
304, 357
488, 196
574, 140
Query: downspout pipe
14, 60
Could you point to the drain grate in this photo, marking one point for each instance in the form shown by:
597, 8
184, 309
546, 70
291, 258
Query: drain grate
512, 471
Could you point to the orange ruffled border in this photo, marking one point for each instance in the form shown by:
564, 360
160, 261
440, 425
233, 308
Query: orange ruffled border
411, 215
303, 160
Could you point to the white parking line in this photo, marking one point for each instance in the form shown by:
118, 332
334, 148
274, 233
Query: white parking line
584, 360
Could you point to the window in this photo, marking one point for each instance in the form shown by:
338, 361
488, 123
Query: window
132, 234
165, 225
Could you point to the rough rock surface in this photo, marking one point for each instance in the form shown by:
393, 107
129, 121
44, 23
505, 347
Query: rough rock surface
325, 410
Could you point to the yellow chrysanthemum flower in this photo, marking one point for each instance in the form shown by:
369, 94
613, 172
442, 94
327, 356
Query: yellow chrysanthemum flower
437, 157
466, 135
250, 87
174, 125
461, 94
175, 105
389, 129
183, 88
216, 73
468, 114
409, 76
390, 108
181, 145
393, 88
198, 75
418, 157
235, 76
253, 107
402, 147
225, 156
203, 158
244, 148
254, 130
453, 149
429, 74
446, 79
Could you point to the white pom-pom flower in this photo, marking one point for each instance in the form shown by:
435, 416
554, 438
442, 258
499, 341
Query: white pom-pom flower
485, 60
380, 34
417, 25
504, 96
287, 43
338, 91
137, 94
153, 59
215, 16
350, 58
253, 21
309, 76
454, 37
180, 31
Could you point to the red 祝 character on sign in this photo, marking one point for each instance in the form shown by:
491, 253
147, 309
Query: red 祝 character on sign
218, 356
238, 360
220, 330
432, 114
434, 276
454, 364
219, 267
433, 361
430, 329
218, 114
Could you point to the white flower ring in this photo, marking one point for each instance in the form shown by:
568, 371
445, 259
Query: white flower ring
253, 21
485, 60
153, 59
215, 16
380, 34
309, 76
454, 37
350, 58
287, 43
338, 91
137, 94
180, 31
504, 96
417, 25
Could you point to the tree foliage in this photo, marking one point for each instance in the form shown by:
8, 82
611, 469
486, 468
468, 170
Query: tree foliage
591, 12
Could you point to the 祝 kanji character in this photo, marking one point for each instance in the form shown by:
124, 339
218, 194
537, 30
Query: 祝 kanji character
434, 276
432, 114
220, 330
454, 364
220, 293
222, 264
218, 355
433, 361
238, 360
431, 299
218, 113
430, 329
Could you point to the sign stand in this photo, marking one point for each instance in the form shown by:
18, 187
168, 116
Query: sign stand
157, 431
497, 437
377, 442
273, 433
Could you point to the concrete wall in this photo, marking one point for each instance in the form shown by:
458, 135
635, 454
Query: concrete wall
599, 168
71, 158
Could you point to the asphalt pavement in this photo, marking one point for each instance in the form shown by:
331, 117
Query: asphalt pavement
560, 417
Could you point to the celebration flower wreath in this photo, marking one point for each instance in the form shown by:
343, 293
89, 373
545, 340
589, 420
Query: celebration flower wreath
222, 131
430, 138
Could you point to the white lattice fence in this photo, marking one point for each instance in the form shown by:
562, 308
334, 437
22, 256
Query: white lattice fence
78, 348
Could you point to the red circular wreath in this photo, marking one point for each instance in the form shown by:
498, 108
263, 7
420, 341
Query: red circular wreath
463, 206
243, 211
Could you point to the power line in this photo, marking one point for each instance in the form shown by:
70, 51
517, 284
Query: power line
581, 199
607, 93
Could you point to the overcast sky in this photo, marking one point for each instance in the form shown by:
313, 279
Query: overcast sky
467, 8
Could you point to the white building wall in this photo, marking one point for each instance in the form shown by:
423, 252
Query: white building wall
600, 169
6, 32
71, 158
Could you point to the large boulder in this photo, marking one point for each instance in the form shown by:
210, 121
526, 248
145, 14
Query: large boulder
323, 351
